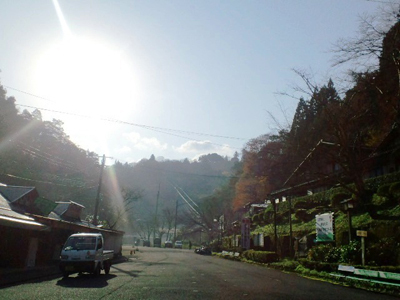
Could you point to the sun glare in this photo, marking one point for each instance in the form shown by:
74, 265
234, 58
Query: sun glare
87, 77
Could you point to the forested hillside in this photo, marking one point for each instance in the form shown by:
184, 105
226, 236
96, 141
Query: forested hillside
34, 152
353, 123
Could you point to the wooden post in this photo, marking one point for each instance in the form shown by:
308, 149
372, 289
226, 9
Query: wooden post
363, 234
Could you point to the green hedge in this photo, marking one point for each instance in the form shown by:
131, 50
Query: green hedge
260, 256
319, 266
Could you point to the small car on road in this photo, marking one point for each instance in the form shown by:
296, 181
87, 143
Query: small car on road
178, 244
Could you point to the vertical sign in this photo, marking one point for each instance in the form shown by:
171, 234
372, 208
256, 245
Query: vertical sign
245, 234
324, 226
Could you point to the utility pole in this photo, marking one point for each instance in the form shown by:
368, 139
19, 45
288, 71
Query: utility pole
96, 208
176, 215
155, 218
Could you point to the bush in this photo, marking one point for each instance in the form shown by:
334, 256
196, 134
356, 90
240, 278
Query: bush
286, 265
385, 252
383, 190
350, 253
378, 200
327, 253
394, 190
260, 256
319, 252
318, 266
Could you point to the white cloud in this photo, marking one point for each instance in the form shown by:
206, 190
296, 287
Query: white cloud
195, 147
142, 143
199, 148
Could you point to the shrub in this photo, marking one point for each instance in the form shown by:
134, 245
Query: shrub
327, 253
302, 270
260, 256
350, 253
318, 266
383, 190
378, 200
286, 265
319, 252
394, 190
384, 252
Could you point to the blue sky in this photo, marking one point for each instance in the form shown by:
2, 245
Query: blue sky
168, 68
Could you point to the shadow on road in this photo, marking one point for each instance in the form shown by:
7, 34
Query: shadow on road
86, 281
130, 273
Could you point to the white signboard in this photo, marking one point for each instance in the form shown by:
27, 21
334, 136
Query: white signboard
324, 223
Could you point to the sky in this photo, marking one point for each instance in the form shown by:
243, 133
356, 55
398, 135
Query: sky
177, 79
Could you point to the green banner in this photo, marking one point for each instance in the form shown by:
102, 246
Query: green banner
324, 224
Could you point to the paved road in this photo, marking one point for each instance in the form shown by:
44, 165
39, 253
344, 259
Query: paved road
181, 274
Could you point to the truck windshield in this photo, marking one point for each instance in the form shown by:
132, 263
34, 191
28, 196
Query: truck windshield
80, 243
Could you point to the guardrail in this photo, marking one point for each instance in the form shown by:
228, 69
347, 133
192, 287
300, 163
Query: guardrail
381, 277
232, 254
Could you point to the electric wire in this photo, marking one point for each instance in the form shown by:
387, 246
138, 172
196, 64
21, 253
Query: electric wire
152, 128
35, 180
194, 203
47, 154
162, 129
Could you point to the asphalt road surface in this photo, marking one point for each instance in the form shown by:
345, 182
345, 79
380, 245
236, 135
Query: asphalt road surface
154, 273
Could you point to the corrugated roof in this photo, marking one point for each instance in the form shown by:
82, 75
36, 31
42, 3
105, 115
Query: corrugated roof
13, 193
61, 208
11, 218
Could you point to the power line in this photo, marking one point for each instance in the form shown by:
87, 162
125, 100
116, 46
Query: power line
26, 93
34, 180
153, 128
49, 160
118, 121
187, 202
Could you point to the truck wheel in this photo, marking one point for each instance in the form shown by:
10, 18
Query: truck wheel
97, 271
107, 267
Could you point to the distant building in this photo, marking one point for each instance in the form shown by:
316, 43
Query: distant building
33, 229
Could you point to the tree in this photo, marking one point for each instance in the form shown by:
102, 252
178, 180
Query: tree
116, 212
365, 49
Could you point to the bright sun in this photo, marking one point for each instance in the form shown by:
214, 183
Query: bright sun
86, 76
